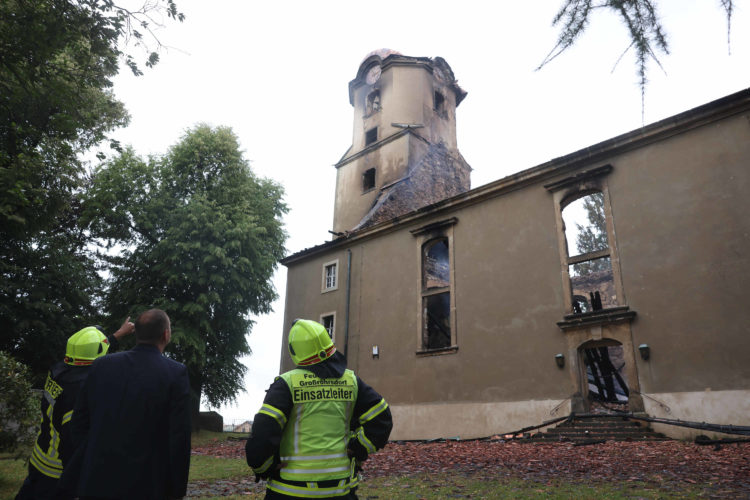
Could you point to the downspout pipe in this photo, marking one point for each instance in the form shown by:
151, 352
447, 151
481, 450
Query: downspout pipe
348, 300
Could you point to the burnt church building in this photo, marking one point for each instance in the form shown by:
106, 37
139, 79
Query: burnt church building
613, 278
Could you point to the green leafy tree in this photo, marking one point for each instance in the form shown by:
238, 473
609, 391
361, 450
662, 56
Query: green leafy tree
19, 407
201, 237
48, 291
592, 236
640, 17
57, 61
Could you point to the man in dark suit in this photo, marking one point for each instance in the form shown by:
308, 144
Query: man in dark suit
131, 424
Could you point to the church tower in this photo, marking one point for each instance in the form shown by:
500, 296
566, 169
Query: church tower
404, 154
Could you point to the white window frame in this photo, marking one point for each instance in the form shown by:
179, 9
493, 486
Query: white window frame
332, 333
325, 281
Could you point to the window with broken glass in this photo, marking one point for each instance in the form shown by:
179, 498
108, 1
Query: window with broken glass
373, 102
436, 304
439, 104
328, 321
368, 179
436, 295
589, 257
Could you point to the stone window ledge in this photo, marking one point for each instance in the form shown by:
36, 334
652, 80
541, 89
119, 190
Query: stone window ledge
601, 317
438, 352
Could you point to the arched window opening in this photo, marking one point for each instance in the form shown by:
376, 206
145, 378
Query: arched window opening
605, 374
373, 102
436, 264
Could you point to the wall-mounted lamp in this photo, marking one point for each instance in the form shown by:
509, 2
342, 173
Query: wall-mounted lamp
375, 352
645, 351
560, 360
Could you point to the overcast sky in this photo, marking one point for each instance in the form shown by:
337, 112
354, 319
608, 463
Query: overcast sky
277, 73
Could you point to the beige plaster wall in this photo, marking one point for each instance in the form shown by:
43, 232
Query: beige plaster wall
351, 203
469, 420
473, 420
304, 298
405, 97
411, 100
497, 276
680, 208
713, 407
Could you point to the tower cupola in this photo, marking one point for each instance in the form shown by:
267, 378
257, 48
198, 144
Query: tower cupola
404, 153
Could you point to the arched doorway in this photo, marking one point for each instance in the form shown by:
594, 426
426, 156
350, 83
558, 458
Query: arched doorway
604, 380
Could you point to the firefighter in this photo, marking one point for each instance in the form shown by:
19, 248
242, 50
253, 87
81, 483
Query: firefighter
318, 423
52, 449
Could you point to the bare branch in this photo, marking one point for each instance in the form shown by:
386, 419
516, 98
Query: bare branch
131, 25
621, 56
728, 7
640, 17
576, 15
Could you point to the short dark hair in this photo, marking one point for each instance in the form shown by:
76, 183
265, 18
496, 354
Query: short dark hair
150, 326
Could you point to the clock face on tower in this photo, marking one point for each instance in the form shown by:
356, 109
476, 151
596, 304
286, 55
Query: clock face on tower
373, 74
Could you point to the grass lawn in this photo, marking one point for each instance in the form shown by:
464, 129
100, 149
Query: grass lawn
429, 486
202, 468
206, 468
202, 438
476, 487
12, 474
213, 470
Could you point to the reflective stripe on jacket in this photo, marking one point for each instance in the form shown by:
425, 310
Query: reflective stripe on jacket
45, 456
311, 489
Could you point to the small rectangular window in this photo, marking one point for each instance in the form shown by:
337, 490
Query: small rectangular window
439, 102
371, 136
368, 179
330, 276
328, 320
